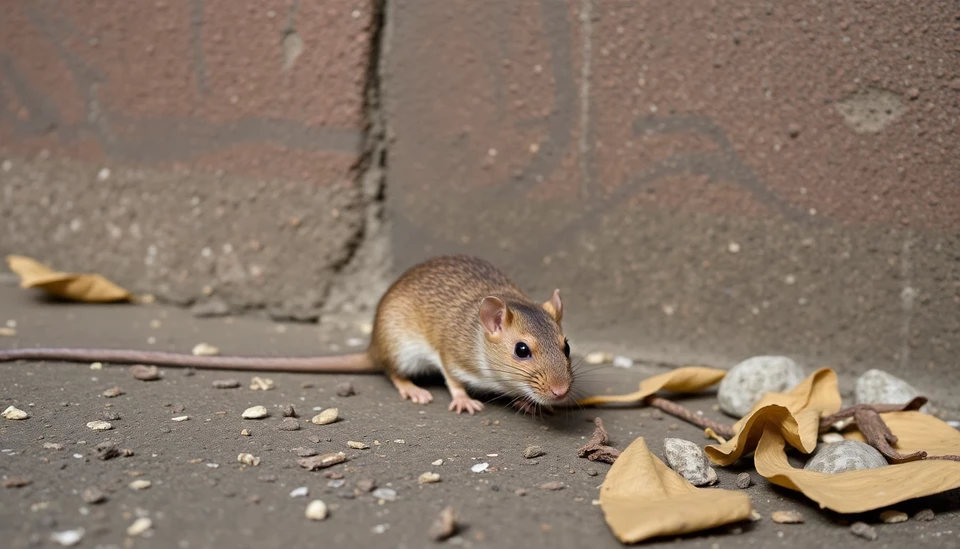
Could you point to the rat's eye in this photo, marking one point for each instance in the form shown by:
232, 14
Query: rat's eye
521, 350
566, 348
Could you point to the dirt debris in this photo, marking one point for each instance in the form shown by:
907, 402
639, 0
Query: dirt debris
345, 389
596, 449
863, 530
322, 461
144, 372
787, 517
445, 525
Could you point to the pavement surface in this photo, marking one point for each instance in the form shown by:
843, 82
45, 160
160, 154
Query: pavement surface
202, 497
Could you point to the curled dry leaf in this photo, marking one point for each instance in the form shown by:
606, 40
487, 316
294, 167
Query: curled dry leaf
642, 498
688, 379
90, 288
794, 418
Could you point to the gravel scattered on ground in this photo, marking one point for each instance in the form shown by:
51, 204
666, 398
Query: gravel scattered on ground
863, 530
326, 417
533, 452
145, 373
255, 412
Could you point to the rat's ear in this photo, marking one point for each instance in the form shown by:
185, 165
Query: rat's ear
554, 307
494, 315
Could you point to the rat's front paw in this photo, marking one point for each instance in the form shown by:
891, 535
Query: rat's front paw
416, 395
463, 403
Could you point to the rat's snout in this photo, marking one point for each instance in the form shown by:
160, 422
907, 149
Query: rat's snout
559, 390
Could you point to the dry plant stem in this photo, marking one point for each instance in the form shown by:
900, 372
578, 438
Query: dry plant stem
680, 412
914, 404
596, 449
880, 437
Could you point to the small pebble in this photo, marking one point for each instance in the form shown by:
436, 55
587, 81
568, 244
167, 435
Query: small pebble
205, 349
479, 467
444, 526
99, 426
429, 478
14, 413
255, 412
399, 441
831, 438
848, 455
288, 411
622, 362
688, 460
96, 366
386, 494
180, 418
261, 384
892, 516
744, 481
863, 530
68, 538
345, 389
357, 445
16, 482
300, 492
592, 472
113, 392
924, 515
336, 483
554, 485
140, 484
316, 510
245, 433
787, 517
225, 384
110, 415
326, 417
52, 446
268, 478
139, 526
289, 424
248, 459
305, 452
322, 461
598, 357
145, 373
520, 492
533, 452
366, 484
437, 463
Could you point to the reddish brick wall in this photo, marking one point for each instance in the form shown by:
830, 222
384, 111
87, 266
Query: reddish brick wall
725, 178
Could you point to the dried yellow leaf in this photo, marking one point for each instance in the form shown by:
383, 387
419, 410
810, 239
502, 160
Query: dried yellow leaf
796, 415
688, 379
642, 498
917, 431
91, 288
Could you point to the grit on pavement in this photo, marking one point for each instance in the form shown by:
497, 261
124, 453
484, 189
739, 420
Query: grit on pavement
201, 496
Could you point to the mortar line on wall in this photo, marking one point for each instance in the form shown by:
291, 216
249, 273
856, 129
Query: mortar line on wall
908, 295
586, 30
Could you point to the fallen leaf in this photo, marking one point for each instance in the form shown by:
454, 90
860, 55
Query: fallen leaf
642, 498
91, 288
793, 418
688, 379
795, 414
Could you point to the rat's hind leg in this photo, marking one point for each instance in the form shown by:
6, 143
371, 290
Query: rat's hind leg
410, 391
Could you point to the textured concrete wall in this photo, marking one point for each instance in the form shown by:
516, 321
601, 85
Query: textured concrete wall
188, 147
716, 179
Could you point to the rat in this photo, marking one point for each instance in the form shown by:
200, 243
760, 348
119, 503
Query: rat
457, 315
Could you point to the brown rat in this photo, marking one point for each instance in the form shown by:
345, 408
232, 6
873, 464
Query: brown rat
458, 315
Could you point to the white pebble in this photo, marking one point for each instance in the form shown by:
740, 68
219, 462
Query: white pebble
300, 492
248, 459
7, 165
831, 438
689, 461
848, 455
622, 362
354, 342
326, 417
14, 413
68, 538
428, 478
437, 463
598, 357
386, 494
747, 382
96, 366
255, 412
879, 387
99, 425
205, 349
317, 510
139, 526
140, 484
103, 174
180, 418
480, 467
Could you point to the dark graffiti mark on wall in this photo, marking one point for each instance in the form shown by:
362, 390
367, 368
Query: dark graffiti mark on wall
149, 139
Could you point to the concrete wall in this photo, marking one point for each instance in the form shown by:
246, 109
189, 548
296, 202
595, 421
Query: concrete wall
706, 180
703, 180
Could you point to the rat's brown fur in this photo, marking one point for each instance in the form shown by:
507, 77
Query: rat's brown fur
456, 314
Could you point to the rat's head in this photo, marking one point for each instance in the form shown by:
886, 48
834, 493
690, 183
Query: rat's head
525, 345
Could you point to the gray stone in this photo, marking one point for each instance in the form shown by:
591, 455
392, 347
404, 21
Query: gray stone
747, 382
878, 387
849, 455
689, 461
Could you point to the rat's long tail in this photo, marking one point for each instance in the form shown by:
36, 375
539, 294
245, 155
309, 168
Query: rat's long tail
354, 363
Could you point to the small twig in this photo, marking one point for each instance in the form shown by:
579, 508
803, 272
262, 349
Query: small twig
914, 404
950, 458
596, 449
680, 412
878, 435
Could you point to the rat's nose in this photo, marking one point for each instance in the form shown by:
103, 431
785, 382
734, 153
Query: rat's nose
560, 391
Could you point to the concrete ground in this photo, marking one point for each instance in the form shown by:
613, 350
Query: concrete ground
202, 497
